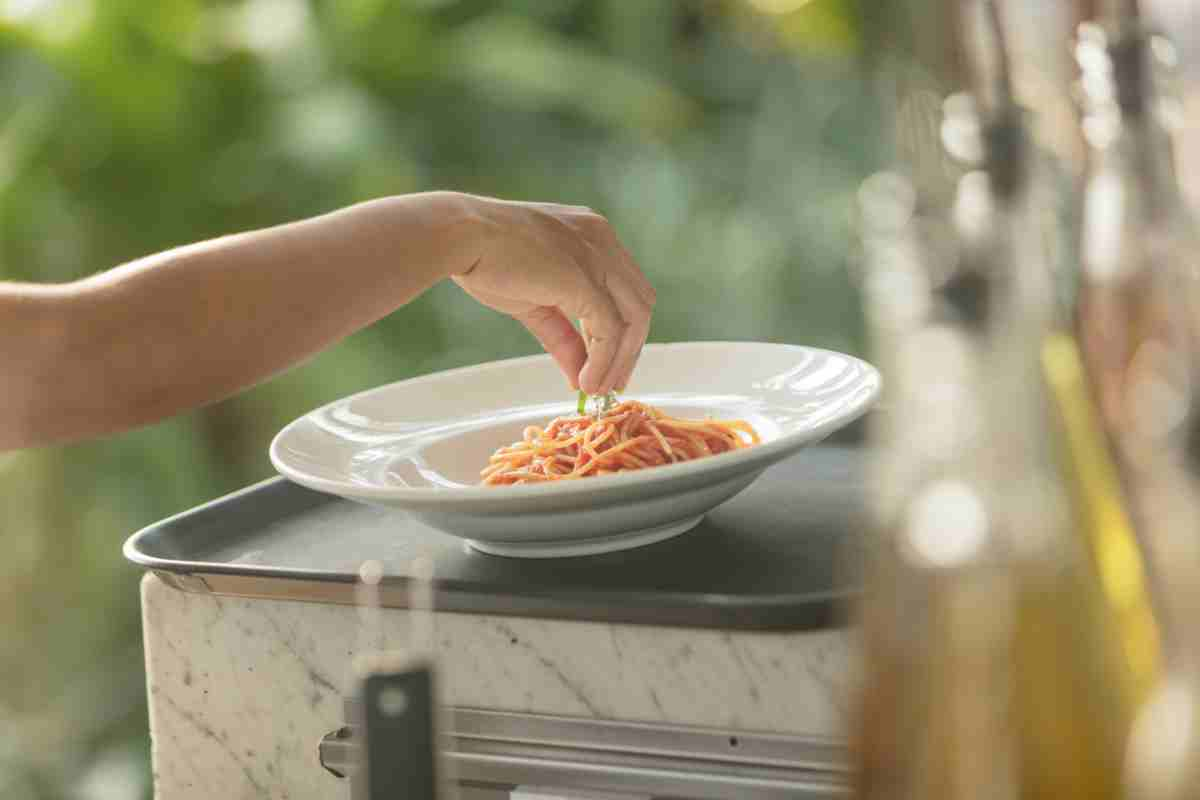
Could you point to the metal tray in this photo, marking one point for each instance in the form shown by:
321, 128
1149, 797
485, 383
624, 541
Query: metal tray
772, 558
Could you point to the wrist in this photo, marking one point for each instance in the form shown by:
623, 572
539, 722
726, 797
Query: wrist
459, 225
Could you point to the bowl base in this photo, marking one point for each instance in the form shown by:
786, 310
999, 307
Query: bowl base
585, 547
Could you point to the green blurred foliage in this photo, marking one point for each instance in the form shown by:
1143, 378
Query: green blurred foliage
725, 145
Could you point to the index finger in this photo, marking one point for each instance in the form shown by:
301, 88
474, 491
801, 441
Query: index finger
603, 330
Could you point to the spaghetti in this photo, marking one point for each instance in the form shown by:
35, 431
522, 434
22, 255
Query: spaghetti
629, 436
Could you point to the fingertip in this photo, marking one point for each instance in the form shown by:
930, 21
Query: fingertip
591, 378
589, 384
571, 362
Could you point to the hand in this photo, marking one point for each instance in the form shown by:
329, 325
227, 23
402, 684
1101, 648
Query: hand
545, 265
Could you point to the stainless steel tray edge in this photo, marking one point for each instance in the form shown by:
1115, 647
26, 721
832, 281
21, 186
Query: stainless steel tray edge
818, 611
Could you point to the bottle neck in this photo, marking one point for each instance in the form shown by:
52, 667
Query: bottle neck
1128, 124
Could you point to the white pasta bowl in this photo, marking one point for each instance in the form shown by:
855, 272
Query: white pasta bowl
419, 445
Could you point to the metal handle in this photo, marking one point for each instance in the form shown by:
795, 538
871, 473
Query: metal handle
509, 749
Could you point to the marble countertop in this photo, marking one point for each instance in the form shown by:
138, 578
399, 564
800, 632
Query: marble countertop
242, 690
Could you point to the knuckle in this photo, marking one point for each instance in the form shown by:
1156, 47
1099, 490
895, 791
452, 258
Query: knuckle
613, 324
610, 322
639, 307
538, 314
589, 307
594, 222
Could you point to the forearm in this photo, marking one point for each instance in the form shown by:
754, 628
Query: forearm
183, 328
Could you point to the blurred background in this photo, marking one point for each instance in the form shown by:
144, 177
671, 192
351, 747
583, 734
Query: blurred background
725, 140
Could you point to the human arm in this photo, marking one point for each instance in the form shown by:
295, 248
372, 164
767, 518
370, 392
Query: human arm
189, 326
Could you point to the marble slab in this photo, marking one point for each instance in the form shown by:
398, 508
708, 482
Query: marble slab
241, 691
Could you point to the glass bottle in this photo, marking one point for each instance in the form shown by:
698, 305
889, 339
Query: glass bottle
932, 719
1085, 637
